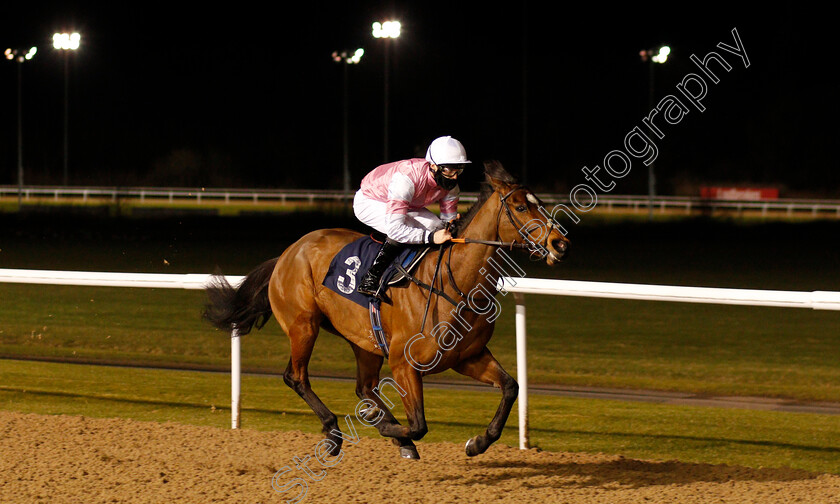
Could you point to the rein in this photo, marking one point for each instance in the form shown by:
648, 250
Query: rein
492, 243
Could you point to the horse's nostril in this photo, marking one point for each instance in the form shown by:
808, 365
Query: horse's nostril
559, 245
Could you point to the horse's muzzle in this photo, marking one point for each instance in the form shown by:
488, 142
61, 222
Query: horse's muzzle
557, 251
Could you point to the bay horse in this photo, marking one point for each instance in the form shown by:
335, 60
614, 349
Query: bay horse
290, 287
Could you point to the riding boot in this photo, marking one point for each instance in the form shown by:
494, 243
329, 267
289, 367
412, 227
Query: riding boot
370, 283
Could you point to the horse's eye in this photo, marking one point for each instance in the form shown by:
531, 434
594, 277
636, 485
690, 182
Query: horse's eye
521, 208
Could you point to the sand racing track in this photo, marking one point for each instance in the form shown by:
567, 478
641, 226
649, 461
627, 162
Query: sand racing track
72, 459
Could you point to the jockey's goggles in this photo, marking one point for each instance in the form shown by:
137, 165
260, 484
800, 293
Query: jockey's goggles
450, 170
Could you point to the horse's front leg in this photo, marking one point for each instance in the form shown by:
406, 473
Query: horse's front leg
485, 368
410, 387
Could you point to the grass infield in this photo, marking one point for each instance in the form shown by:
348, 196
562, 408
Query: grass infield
638, 430
707, 349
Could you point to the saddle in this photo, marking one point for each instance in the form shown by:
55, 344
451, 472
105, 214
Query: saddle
352, 262
403, 268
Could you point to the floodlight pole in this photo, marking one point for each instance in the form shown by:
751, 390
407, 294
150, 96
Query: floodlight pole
345, 136
345, 58
387, 30
66, 42
651, 56
385, 140
65, 177
651, 174
20, 56
20, 132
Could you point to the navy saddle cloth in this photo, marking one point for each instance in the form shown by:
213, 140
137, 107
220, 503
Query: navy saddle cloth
349, 266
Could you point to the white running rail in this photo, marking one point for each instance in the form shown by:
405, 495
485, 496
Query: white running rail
817, 300
148, 280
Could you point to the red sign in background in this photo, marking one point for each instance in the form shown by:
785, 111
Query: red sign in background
739, 193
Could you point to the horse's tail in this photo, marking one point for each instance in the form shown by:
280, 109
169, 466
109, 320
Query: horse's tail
242, 307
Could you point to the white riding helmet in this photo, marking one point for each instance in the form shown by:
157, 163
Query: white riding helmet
445, 151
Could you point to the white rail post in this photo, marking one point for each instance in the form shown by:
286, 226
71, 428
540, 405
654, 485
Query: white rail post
235, 372
522, 369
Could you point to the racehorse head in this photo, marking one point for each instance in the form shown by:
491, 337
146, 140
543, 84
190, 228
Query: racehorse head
523, 218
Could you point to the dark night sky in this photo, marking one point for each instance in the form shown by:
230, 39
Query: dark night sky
249, 97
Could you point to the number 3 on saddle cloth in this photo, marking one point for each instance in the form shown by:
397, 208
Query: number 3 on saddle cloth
352, 262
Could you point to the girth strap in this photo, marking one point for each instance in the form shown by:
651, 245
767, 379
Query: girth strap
426, 286
376, 326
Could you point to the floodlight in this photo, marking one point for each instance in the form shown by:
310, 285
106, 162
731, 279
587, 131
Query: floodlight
388, 29
662, 56
66, 40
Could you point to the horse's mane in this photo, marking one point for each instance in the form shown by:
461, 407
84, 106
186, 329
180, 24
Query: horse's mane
492, 170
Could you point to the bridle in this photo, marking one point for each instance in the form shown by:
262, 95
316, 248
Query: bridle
517, 224
514, 221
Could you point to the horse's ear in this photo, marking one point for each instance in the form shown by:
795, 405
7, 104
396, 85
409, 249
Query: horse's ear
497, 176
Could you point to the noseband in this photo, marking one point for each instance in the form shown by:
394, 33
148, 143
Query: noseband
533, 247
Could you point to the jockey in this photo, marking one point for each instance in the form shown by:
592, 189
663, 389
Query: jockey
393, 199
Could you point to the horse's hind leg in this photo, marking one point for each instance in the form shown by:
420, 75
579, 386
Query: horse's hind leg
368, 366
302, 334
485, 368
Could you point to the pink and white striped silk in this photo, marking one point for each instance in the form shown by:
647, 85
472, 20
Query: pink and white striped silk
406, 187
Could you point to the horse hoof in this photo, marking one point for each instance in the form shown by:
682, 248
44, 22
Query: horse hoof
334, 445
472, 448
371, 414
409, 452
